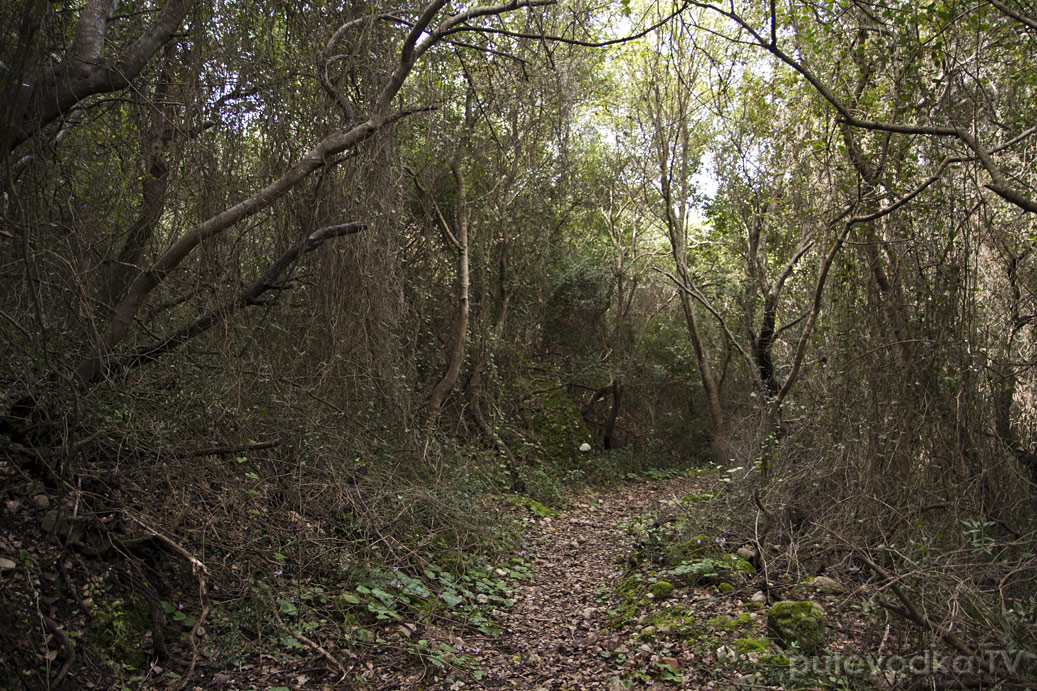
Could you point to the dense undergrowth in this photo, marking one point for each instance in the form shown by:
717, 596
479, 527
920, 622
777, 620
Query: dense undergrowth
144, 563
709, 577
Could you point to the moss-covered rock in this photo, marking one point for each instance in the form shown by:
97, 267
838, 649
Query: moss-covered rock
725, 623
660, 590
118, 628
799, 622
532, 505
713, 571
726, 588
772, 660
557, 422
695, 548
740, 566
744, 646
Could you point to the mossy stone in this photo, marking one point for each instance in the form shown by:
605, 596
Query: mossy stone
697, 547
799, 622
118, 628
751, 645
726, 588
772, 660
559, 425
739, 565
661, 589
725, 623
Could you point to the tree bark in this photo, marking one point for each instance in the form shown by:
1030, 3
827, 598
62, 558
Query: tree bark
679, 248
84, 71
456, 355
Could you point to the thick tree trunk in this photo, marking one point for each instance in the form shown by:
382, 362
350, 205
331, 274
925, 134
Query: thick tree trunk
762, 346
85, 72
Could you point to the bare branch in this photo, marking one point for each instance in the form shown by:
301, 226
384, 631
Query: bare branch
246, 298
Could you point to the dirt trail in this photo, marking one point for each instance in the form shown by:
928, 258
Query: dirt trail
555, 635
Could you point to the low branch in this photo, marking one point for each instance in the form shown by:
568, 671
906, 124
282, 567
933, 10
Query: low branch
224, 450
295, 634
247, 297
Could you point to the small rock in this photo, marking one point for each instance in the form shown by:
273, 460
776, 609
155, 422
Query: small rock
725, 653
592, 638
6, 564
671, 661
575, 544
758, 596
660, 589
747, 553
50, 521
589, 612
828, 586
41, 500
648, 631
615, 685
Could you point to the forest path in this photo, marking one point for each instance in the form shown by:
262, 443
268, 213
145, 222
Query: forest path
556, 635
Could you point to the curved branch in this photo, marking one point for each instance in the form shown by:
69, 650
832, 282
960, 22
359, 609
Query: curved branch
84, 72
576, 41
247, 297
1017, 16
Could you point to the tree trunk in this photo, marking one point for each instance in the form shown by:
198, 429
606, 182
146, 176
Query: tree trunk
678, 245
608, 436
762, 346
456, 355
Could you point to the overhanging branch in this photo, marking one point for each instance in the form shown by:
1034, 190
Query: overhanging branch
247, 297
